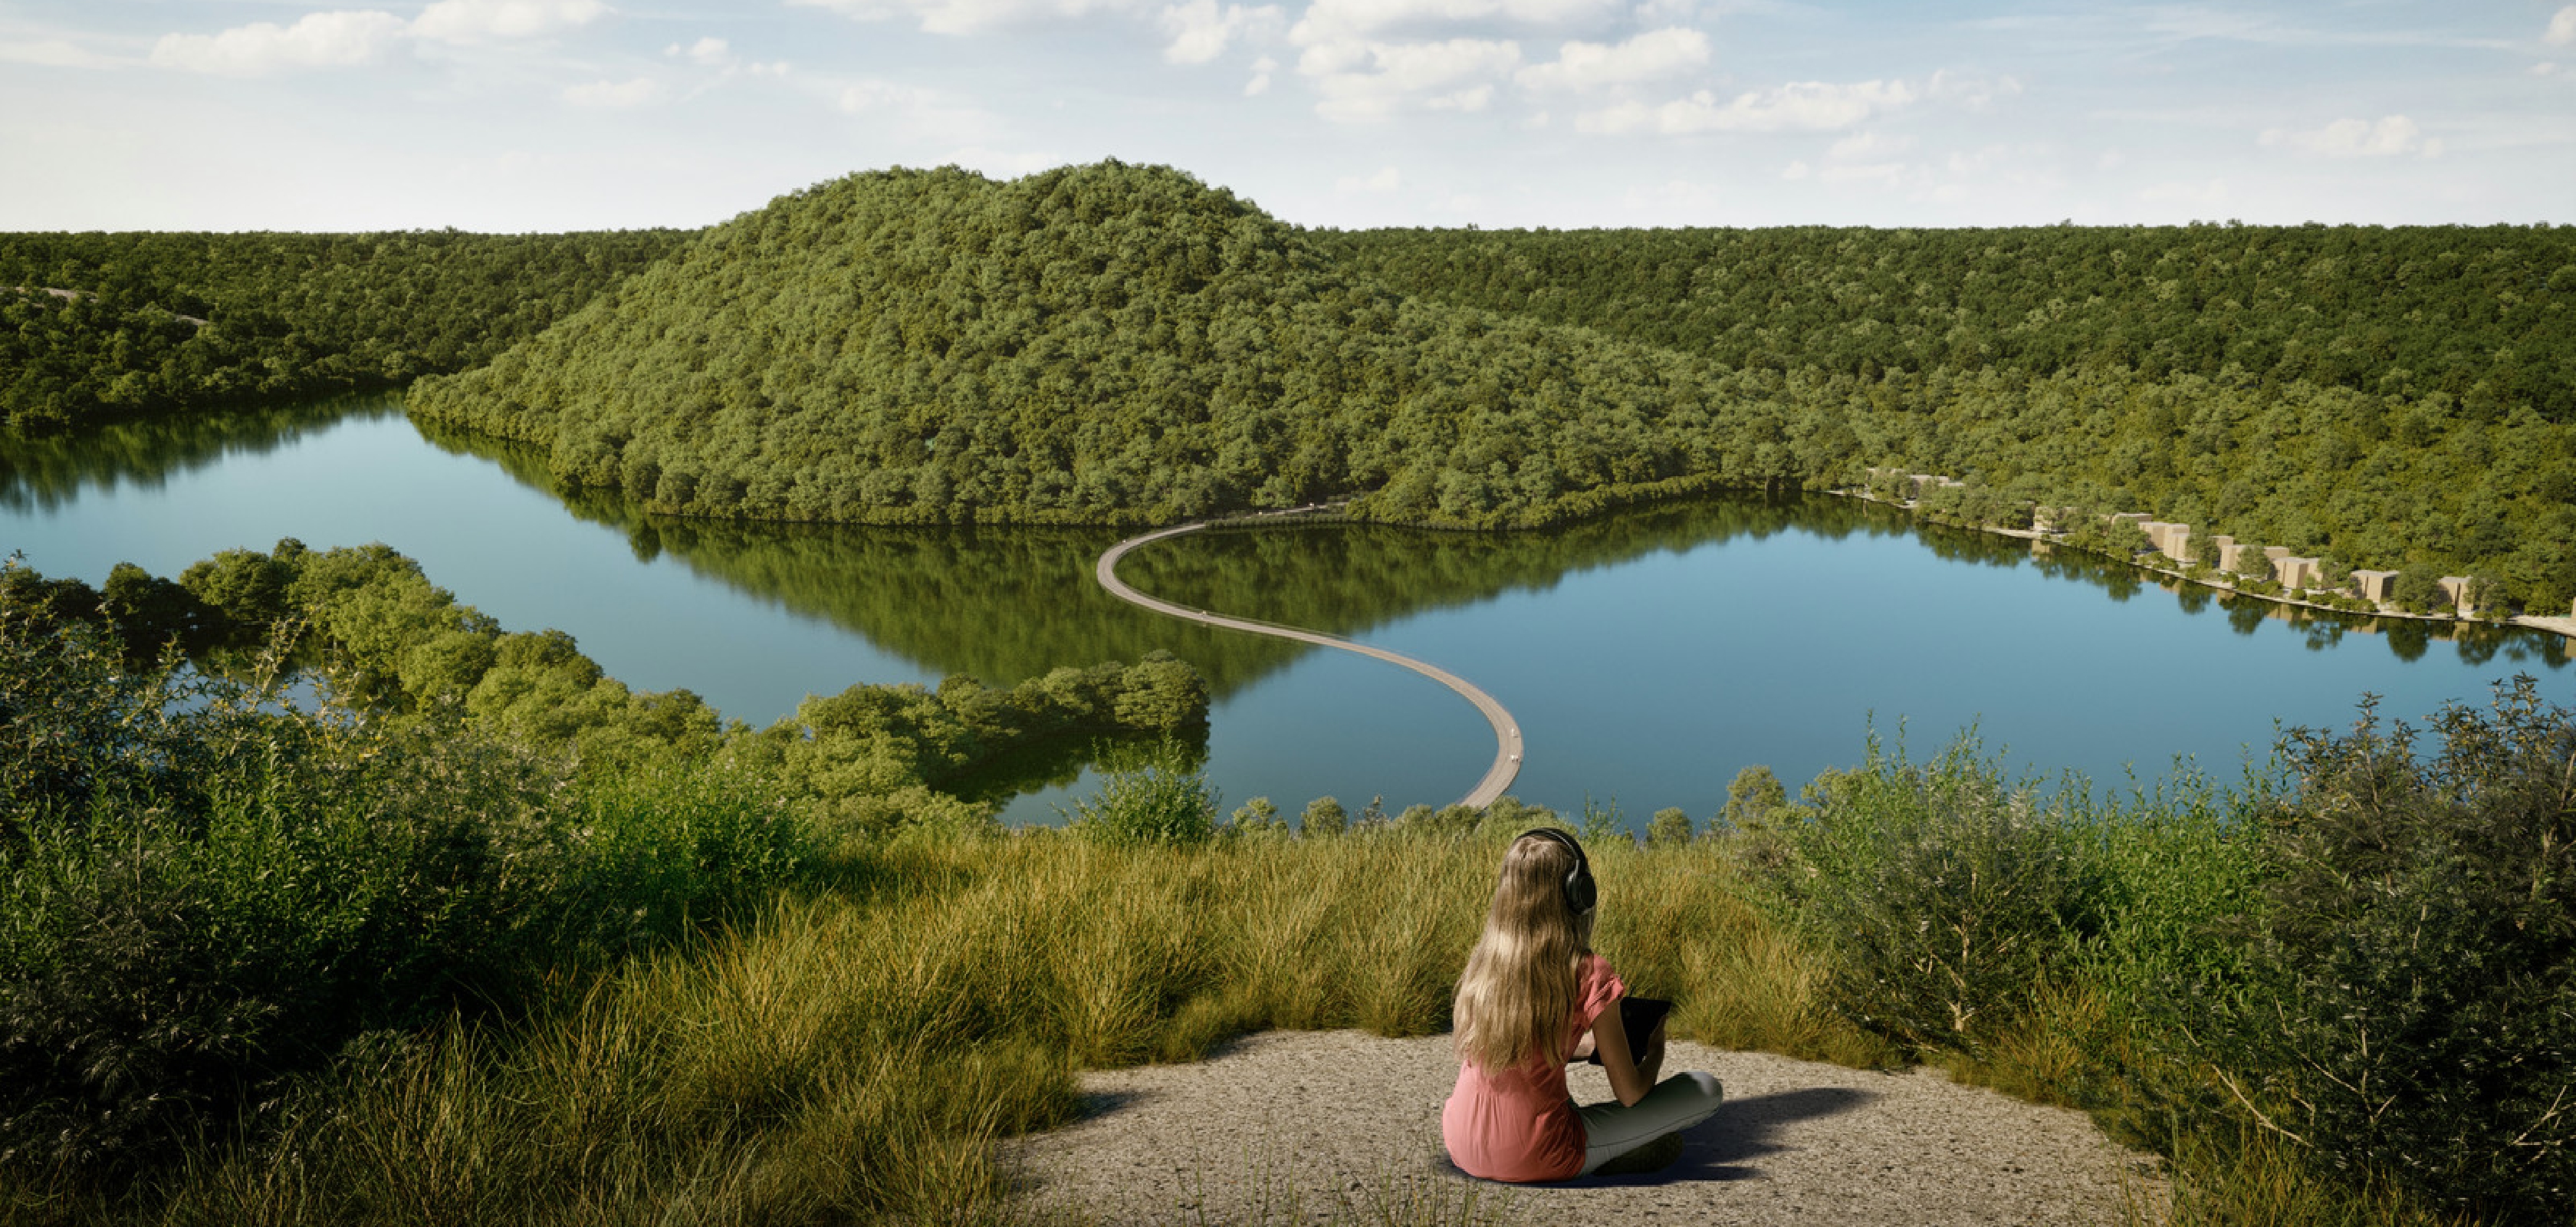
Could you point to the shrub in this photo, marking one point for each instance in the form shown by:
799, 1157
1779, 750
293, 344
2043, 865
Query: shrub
1669, 828
2408, 1011
205, 893
1943, 896
1159, 796
1324, 816
1752, 797
200, 894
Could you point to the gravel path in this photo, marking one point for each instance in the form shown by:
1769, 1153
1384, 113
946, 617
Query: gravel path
1301, 1126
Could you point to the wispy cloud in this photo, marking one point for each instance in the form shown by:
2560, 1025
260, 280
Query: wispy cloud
2356, 138
1797, 105
316, 40
1201, 29
1364, 80
350, 37
1649, 56
481, 21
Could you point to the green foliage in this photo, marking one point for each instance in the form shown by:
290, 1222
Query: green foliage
1257, 819
1944, 895
2418, 589
2407, 1008
1156, 798
160, 322
1752, 798
2251, 561
204, 890
1323, 818
2367, 308
1602, 821
1669, 827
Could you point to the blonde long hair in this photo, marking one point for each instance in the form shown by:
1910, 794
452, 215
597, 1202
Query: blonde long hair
1521, 982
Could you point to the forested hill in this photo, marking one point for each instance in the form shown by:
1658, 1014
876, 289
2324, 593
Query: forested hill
102, 325
2486, 315
1118, 344
1095, 344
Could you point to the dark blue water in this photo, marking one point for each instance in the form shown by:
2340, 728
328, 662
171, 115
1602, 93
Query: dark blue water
1648, 657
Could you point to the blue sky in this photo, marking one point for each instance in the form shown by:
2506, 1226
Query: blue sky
575, 114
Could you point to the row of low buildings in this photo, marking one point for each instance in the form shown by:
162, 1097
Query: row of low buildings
2174, 541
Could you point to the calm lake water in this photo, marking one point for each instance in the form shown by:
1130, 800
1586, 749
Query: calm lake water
1648, 655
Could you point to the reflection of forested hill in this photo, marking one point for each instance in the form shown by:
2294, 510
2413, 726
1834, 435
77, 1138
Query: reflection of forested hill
1347, 578
47, 471
1009, 603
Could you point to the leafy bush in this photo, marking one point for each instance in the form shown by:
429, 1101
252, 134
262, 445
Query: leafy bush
1324, 816
2408, 1009
1670, 827
198, 893
1942, 896
204, 892
1159, 796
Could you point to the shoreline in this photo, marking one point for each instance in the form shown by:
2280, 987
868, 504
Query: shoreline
2565, 627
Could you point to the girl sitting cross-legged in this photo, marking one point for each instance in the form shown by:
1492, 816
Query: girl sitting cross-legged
1534, 997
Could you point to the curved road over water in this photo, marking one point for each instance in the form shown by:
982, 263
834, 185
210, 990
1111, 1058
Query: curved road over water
1507, 731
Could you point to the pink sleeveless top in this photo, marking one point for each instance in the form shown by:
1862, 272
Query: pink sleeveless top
1519, 1124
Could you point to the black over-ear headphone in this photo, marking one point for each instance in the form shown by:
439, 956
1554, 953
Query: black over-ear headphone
1580, 891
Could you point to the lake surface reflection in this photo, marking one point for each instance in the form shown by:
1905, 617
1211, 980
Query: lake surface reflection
1648, 655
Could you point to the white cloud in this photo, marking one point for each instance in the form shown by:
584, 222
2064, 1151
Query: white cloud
317, 40
1327, 20
1200, 29
710, 51
1260, 82
1797, 105
1363, 81
2356, 138
1796, 171
971, 16
478, 21
1653, 54
360, 36
55, 53
2544, 68
1384, 181
613, 95
2562, 27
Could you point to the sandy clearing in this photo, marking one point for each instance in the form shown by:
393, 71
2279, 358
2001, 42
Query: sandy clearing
1345, 1119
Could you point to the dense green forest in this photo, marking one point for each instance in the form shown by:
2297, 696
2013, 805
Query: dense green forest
1115, 344
2483, 314
155, 322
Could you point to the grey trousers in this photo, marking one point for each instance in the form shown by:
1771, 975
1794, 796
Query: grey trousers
1677, 1103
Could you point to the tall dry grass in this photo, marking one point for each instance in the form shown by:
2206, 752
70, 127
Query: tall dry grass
855, 1053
